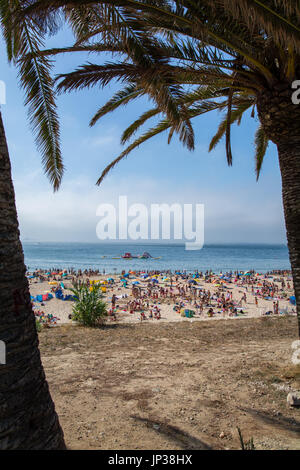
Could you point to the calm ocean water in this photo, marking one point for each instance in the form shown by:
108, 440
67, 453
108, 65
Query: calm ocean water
262, 258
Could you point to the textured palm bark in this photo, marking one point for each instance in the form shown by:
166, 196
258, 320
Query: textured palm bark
281, 121
27, 416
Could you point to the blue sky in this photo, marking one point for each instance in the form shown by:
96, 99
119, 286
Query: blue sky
237, 208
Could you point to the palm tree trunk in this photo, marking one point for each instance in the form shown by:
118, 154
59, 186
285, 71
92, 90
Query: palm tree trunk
281, 121
289, 160
27, 416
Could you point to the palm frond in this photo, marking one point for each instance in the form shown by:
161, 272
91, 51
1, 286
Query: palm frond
131, 130
183, 54
239, 108
228, 129
122, 97
163, 125
261, 145
35, 78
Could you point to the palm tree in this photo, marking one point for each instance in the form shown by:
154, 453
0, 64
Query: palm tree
191, 57
27, 416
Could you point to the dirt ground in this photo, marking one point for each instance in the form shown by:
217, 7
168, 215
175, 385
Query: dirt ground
174, 385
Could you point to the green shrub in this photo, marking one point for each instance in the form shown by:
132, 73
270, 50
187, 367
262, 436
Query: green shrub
38, 325
89, 308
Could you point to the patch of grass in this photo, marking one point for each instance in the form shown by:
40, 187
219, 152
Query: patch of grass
246, 445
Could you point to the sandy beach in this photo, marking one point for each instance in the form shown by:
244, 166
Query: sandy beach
235, 289
177, 382
174, 385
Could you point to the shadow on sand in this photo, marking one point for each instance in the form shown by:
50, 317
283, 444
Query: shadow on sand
174, 434
288, 424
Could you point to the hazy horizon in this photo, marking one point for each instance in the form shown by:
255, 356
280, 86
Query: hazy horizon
149, 242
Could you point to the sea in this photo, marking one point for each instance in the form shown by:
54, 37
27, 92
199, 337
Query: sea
174, 257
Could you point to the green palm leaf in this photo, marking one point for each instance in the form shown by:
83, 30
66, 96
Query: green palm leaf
119, 99
35, 78
163, 125
236, 115
261, 145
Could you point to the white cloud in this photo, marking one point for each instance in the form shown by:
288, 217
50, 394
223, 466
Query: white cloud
70, 214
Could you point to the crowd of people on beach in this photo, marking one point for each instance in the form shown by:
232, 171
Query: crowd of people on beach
181, 291
201, 293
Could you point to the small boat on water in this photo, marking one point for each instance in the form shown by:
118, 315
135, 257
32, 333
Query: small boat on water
129, 256
145, 255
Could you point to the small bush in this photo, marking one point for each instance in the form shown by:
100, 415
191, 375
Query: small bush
38, 326
89, 308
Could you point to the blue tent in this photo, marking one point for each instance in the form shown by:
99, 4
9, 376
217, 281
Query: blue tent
59, 294
293, 300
